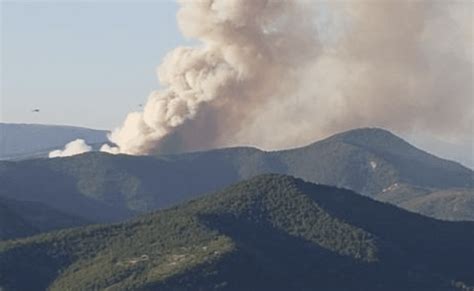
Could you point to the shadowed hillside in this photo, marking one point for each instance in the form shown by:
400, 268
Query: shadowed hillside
24, 218
374, 162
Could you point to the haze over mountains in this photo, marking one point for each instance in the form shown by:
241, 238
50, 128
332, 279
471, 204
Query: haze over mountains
99, 187
271, 232
24, 141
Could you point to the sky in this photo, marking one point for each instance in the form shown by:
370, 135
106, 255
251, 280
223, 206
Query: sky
72, 59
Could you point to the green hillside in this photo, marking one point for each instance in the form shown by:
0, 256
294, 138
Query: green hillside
269, 233
102, 187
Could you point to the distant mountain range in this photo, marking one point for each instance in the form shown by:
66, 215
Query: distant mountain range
103, 188
272, 232
24, 141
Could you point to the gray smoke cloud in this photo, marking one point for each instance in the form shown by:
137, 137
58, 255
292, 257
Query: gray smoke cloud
277, 74
401, 65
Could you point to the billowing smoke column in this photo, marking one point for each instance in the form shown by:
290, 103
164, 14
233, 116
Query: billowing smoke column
251, 51
276, 74
264, 76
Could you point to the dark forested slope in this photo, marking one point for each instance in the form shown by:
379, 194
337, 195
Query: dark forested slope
271, 232
25, 218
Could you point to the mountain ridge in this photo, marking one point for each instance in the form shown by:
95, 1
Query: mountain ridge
123, 185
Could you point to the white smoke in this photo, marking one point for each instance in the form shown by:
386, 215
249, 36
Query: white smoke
109, 149
75, 147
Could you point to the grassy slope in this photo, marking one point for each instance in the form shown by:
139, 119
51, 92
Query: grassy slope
453, 204
268, 233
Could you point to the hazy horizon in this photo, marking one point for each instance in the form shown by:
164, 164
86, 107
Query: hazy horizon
443, 149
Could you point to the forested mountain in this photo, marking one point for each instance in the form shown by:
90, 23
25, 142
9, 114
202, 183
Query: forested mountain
271, 232
374, 162
25, 218
23, 141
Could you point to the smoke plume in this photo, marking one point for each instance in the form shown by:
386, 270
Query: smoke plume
275, 74
402, 65
251, 51
75, 147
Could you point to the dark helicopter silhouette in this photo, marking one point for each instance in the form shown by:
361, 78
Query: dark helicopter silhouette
36, 110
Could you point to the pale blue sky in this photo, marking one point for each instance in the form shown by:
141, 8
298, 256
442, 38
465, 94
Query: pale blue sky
84, 63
